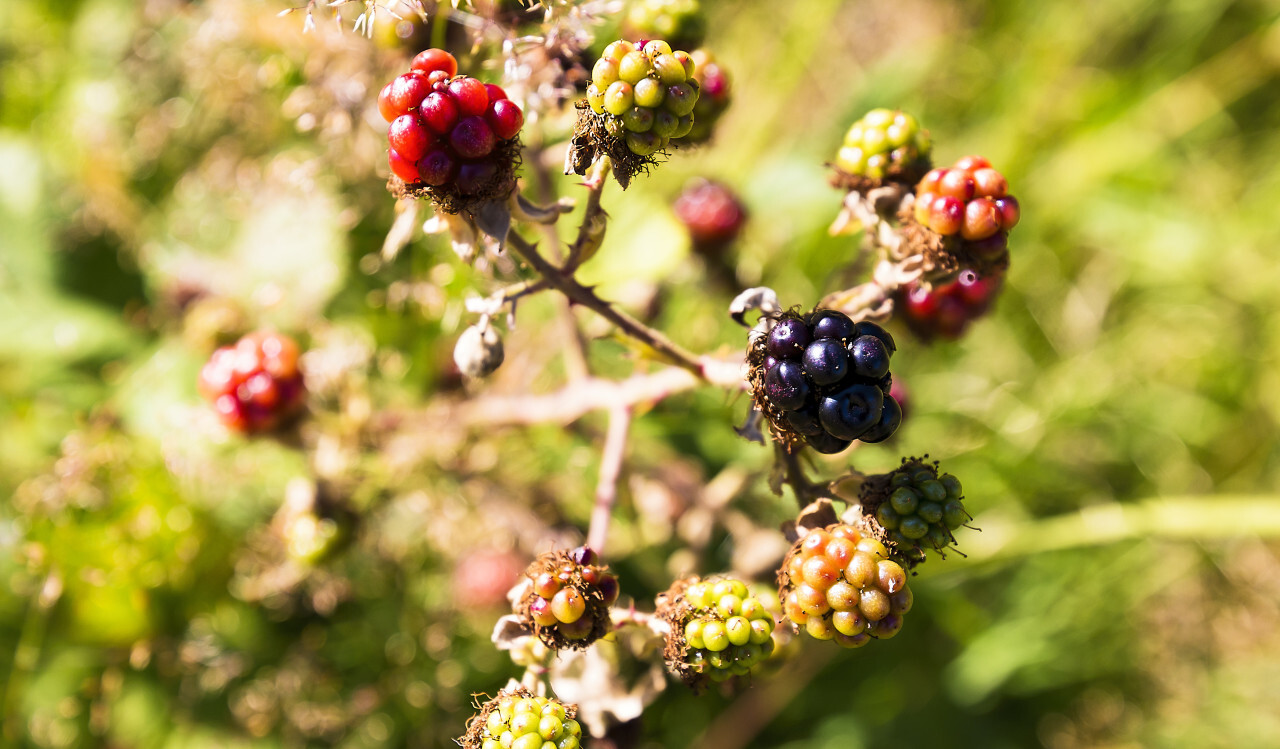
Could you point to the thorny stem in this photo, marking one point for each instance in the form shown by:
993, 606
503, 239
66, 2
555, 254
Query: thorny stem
793, 476
594, 394
615, 448
593, 217
580, 294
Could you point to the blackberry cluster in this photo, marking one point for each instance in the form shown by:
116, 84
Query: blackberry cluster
681, 22
522, 720
646, 95
825, 379
713, 96
567, 605
918, 508
970, 201
885, 144
839, 584
712, 213
945, 311
255, 384
718, 629
451, 136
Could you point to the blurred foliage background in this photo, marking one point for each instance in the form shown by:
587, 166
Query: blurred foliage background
175, 173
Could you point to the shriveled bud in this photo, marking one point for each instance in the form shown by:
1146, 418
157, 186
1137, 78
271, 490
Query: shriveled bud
478, 352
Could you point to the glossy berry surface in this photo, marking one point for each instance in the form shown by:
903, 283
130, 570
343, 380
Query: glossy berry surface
838, 584
884, 143
971, 200
449, 131
647, 94
255, 384
920, 509
523, 720
711, 212
568, 596
714, 96
946, 311
825, 379
726, 630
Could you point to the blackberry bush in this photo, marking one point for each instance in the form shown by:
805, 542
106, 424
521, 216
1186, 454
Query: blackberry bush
451, 137
838, 583
824, 380
519, 719
566, 603
945, 311
969, 206
884, 145
918, 508
255, 385
718, 630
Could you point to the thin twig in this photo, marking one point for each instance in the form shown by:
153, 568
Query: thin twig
615, 449
591, 229
793, 476
580, 294
594, 394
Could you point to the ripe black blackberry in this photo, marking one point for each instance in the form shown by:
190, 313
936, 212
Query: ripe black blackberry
824, 380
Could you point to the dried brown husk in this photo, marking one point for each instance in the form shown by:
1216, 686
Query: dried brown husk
592, 140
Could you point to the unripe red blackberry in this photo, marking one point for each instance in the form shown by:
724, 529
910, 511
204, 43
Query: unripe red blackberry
568, 598
712, 213
885, 145
255, 384
521, 720
451, 136
718, 629
945, 311
681, 22
713, 96
839, 584
823, 379
917, 507
969, 204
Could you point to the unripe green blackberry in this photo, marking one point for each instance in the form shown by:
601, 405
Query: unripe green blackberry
713, 96
648, 91
885, 145
718, 629
839, 584
681, 22
637, 102
520, 719
568, 598
918, 508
